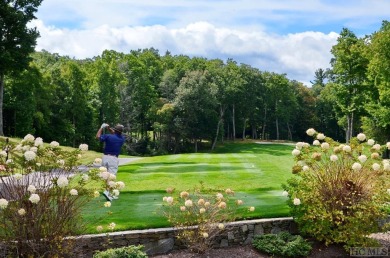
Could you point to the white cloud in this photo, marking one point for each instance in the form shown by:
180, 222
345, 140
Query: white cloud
298, 55
283, 36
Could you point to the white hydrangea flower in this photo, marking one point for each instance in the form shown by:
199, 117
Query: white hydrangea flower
54, 144
34, 149
97, 162
334, 158
112, 177
320, 136
305, 168
3, 153
356, 166
388, 145
3, 203
296, 201
296, 152
38, 142
111, 226
120, 185
105, 175
188, 203
9, 161
34, 198
103, 169
111, 184
62, 181
361, 137
221, 226
376, 166
22, 212
205, 235
30, 155
370, 142
386, 166
252, 208
202, 210
299, 145
182, 208
376, 147
347, 148
29, 138
316, 143
99, 228
325, 145
222, 205
285, 193
310, 131
362, 158
219, 196
73, 192
83, 147
170, 199
201, 202
115, 192
31, 188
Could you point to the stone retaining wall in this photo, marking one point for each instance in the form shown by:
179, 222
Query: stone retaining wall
162, 240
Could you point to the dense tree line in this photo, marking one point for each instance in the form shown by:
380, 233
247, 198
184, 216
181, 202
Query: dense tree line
171, 104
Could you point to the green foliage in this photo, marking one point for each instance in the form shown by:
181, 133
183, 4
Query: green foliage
283, 244
340, 192
123, 252
199, 216
42, 197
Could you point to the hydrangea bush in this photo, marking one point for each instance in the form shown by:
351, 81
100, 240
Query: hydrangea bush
42, 193
200, 215
341, 191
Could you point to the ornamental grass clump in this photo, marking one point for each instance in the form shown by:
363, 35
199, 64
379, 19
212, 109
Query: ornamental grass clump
341, 191
200, 216
41, 197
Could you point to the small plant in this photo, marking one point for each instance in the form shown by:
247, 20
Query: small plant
123, 252
200, 216
42, 195
341, 190
283, 244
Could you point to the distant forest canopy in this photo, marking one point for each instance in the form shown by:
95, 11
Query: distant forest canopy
172, 104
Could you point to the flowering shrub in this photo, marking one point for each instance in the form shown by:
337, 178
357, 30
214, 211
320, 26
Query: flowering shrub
42, 194
341, 190
200, 216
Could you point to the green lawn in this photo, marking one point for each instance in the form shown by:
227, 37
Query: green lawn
254, 171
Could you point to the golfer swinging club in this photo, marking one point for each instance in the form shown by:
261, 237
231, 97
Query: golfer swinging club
112, 148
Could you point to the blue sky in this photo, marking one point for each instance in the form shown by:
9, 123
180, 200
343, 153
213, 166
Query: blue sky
282, 36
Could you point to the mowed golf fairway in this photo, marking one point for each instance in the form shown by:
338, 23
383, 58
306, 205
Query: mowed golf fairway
254, 171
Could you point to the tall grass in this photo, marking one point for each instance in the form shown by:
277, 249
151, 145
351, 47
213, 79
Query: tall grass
254, 171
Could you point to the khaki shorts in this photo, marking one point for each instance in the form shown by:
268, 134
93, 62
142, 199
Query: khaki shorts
111, 163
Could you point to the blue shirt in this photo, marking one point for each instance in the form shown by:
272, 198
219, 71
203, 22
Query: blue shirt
113, 143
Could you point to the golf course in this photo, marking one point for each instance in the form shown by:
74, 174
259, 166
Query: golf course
254, 171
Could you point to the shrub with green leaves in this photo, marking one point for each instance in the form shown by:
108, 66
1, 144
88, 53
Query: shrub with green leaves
123, 252
200, 215
42, 195
283, 244
340, 191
